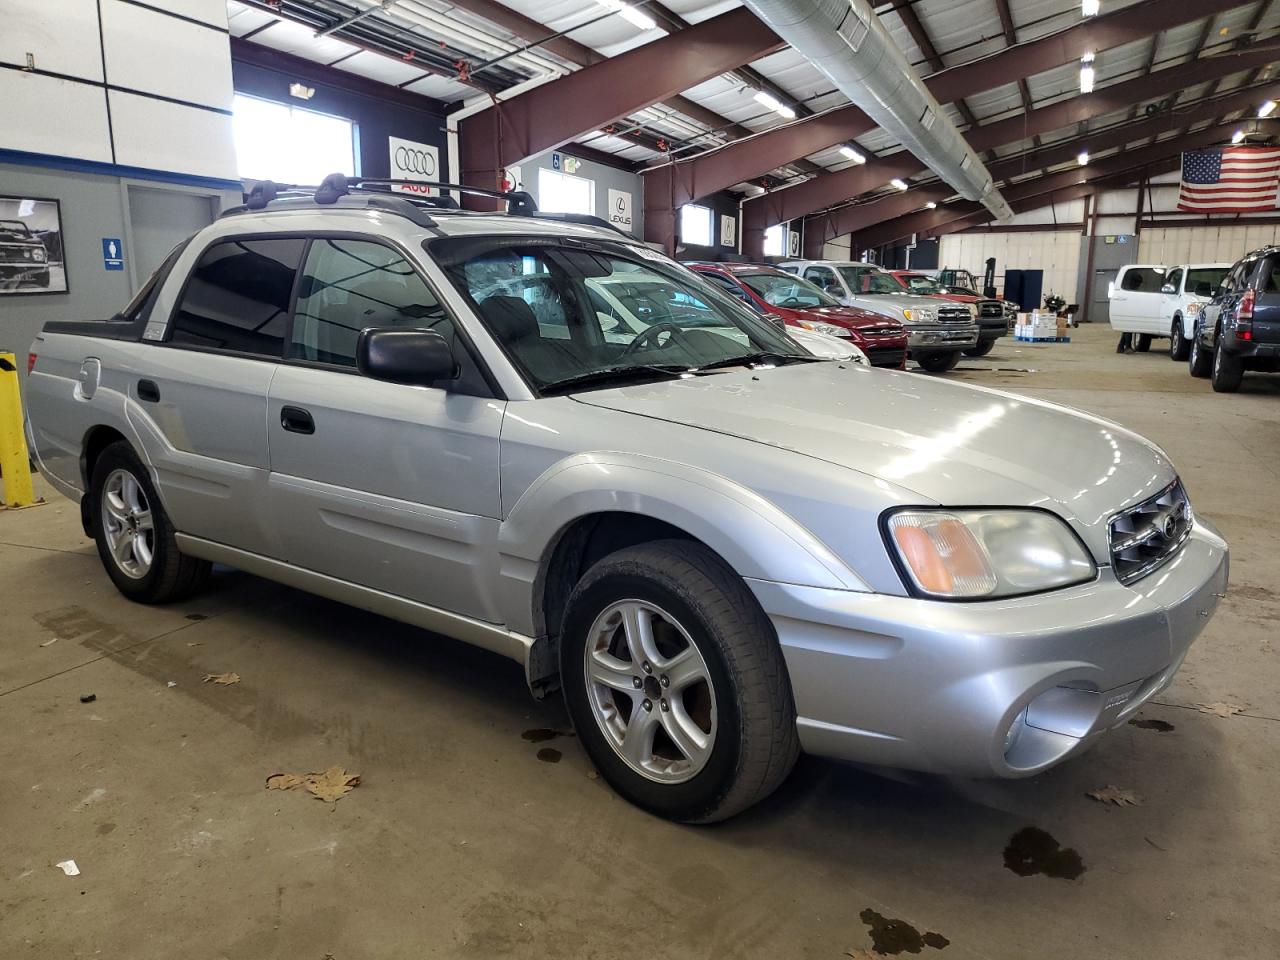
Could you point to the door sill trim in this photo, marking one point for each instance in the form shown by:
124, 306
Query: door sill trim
488, 636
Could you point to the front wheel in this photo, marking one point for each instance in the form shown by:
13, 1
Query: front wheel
981, 350
675, 682
134, 535
938, 362
1143, 343
1199, 360
1179, 346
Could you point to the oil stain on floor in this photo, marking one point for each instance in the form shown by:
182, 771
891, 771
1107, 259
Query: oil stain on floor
1032, 850
890, 936
549, 755
1159, 726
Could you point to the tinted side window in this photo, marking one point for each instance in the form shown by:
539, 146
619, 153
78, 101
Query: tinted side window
1269, 278
237, 297
728, 286
348, 285
1174, 279
1142, 280
823, 277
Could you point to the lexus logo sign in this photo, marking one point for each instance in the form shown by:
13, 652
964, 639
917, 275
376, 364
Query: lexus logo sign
413, 161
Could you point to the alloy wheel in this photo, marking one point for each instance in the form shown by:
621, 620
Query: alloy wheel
650, 691
128, 523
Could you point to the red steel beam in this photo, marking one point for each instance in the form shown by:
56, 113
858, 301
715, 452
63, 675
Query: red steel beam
823, 227
829, 189
925, 220
707, 173
555, 113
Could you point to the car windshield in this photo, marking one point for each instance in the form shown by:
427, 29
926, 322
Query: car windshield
14, 226
1205, 281
569, 311
786, 290
862, 280
919, 283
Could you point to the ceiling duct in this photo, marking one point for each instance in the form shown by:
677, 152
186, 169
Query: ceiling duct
848, 43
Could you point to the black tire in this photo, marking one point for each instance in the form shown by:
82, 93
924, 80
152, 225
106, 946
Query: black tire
1143, 343
42, 279
756, 743
1228, 371
171, 574
1199, 359
1179, 346
982, 349
938, 362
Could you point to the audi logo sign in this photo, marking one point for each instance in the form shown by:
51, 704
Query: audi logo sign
413, 161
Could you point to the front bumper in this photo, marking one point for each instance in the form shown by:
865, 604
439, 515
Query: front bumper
942, 336
22, 269
937, 686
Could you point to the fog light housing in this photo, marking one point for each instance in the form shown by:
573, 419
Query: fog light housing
1015, 731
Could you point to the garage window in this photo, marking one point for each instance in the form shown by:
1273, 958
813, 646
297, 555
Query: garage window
275, 141
565, 193
1143, 280
695, 225
775, 241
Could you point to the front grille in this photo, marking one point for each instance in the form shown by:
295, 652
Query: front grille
885, 331
991, 310
886, 356
954, 315
1146, 535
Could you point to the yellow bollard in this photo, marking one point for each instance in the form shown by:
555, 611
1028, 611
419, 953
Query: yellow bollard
15, 463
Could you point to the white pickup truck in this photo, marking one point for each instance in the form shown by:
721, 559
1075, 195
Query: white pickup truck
1153, 300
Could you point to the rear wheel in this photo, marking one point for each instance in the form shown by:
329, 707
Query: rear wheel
1199, 360
135, 538
982, 349
1179, 346
1228, 370
938, 362
1143, 343
675, 682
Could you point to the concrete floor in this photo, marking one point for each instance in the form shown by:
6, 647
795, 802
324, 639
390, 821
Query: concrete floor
461, 842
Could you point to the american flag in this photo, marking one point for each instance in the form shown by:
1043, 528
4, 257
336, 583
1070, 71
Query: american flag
1230, 180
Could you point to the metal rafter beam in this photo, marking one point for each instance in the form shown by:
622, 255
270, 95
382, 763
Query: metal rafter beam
1006, 22
918, 222
907, 13
555, 113
857, 217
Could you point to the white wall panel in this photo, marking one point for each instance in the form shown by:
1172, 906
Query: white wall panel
1119, 201
166, 136
1105, 226
49, 115
213, 12
1205, 243
154, 53
1056, 252
837, 249
62, 34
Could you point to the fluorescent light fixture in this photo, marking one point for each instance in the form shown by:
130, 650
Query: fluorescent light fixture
773, 103
1237, 136
1267, 109
301, 91
1089, 8
900, 184
629, 13
931, 205
851, 154
1086, 73
1083, 158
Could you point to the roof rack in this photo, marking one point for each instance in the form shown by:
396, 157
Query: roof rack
377, 192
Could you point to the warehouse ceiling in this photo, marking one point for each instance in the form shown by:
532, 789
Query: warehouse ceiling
464, 49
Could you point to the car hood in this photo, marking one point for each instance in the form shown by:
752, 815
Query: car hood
945, 442
853, 317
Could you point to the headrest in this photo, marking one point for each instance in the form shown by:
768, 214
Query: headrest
509, 318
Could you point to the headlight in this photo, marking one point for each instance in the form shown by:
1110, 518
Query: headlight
38, 254
921, 316
1194, 308
983, 554
830, 329
973, 311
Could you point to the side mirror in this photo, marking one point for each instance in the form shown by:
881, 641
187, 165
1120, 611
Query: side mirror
405, 355
1169, 288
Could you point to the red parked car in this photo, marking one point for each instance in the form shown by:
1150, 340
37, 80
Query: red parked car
993, 319
799, 303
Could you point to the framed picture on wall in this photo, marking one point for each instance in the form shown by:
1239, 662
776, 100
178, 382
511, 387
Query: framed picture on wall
31, 247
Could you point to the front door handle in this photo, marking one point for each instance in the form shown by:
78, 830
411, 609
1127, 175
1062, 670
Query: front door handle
297, 420
148, 391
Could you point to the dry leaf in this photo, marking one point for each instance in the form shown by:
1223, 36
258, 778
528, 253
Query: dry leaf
223, 678
1113, 794
329, 786
1220, 709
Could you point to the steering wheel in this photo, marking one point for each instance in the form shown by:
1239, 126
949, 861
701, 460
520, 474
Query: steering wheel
652, 333
792, 301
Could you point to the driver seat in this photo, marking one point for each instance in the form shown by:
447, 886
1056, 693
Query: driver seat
513, 324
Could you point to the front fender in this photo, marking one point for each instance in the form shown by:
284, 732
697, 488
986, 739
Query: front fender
753, 535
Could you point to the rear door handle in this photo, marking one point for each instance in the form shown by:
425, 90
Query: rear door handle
297, 420
148, 391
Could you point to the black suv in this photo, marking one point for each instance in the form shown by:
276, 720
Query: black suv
1239, 329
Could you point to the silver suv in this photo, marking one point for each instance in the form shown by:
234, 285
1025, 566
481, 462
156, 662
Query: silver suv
542, 437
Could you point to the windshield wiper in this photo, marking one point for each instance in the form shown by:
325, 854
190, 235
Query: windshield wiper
670, 371
750, 358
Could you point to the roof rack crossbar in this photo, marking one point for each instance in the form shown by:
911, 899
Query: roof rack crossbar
519, 202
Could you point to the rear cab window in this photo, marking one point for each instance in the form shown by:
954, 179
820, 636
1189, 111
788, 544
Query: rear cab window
1143, 279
